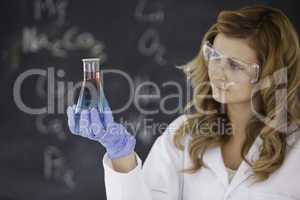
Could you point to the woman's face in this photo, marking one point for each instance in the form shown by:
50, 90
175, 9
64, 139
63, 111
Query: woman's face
235, 83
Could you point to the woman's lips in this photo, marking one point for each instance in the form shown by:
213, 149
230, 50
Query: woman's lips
223, 86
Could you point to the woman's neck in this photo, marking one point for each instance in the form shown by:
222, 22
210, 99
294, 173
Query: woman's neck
239, 115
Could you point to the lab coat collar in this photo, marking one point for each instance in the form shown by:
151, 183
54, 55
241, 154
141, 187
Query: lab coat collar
244, 171
214, 160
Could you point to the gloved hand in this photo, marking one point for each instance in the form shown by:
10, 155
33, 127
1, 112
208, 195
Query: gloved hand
115, 138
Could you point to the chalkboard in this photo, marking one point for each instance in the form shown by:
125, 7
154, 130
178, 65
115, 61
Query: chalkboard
42, 44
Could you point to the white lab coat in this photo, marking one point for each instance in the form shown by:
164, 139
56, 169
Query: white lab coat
157, 178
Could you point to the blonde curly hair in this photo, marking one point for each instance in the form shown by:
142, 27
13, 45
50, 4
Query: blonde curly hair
271, 34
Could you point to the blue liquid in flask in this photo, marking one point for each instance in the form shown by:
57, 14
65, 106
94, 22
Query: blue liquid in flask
91, 92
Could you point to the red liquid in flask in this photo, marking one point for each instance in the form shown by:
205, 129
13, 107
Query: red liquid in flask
91, 92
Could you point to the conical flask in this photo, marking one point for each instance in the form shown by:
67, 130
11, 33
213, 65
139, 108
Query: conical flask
91, 92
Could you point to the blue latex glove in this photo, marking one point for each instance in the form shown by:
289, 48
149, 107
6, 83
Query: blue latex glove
115, 138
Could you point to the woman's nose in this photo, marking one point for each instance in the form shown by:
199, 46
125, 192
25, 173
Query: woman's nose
220, 71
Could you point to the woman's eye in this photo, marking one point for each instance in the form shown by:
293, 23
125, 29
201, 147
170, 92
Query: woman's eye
215, 54
235, 65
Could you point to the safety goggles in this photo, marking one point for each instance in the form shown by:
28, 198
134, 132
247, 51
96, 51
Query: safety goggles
238, 70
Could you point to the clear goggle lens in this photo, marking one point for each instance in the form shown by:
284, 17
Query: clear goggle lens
239, 71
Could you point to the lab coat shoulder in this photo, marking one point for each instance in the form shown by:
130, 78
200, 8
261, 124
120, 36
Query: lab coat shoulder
157, 179
287, 173
163, 163
163, 148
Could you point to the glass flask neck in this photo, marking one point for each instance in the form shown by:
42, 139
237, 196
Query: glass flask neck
91, 68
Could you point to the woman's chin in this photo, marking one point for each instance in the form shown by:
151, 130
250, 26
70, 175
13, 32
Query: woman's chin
220, 95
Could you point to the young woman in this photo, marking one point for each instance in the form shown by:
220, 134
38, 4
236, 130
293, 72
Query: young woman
249, 67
